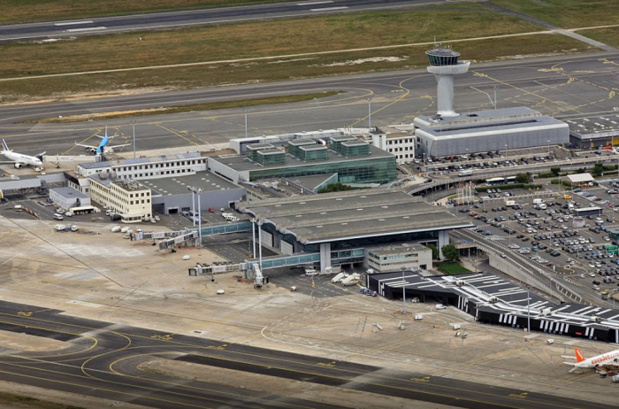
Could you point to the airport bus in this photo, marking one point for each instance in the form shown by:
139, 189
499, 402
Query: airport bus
501, 181
495, 181
588, 211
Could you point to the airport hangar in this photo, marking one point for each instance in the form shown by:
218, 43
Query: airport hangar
494, 300
335, 229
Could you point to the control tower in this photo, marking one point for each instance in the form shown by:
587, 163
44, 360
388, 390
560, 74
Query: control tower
444, 65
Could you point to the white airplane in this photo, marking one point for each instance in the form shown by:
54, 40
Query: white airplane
19, 159
603, 364
103, 145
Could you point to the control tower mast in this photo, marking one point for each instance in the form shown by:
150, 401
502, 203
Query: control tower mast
444, 65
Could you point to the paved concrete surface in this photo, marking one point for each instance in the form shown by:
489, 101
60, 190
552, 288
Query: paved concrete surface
106, 277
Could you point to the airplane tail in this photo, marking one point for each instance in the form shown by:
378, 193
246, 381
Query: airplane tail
579, 356
4, 145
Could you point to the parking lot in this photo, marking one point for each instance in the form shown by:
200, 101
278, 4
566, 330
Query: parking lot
517, 160
545, 227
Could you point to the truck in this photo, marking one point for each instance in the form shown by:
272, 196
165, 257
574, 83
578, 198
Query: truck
465, 172
538, 201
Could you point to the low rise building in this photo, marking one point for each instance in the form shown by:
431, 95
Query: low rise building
485, 131
399, 257
399, 143
67, 197
129, 199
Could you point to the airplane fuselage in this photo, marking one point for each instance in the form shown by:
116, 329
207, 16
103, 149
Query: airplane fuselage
21, 159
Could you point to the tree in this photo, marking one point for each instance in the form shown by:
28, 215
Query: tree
450, 252
555, 170
434, 251
598, 168
523, 177
336, 187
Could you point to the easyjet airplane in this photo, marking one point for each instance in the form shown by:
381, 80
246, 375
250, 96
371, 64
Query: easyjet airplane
603, 364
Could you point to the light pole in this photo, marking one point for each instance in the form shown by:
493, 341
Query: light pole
548, 140
403, 291
370, 113
199, 218
245, 112
528, 310
133, 126
197, 192
488, 95
193, 207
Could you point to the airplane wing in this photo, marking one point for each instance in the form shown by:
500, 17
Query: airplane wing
117, 146
86, 146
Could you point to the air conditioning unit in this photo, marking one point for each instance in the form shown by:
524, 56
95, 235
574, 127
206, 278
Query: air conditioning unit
493, 299
460, 283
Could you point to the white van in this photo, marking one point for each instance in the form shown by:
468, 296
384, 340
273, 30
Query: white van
58, 216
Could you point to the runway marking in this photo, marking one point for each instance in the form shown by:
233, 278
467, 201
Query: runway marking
70, 23
74, 30
312, 3
330, 8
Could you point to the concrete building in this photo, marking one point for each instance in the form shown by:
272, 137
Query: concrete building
449, 133
594, 132
397, 142
399, 257
129, 199
147, 168
173, 195
341, 226
444, 65
67, 197
484, 131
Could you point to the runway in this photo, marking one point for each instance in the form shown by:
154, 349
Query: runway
196, 17
102, 359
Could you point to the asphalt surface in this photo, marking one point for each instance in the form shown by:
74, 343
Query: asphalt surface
102, 358
199, 17
554, 266
397, 98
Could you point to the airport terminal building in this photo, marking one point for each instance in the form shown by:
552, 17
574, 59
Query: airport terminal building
355, 162
485, 131
338, 228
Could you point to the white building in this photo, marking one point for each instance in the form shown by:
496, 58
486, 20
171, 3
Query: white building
148, 168
67, 197
129, 199
399, 143
398, 257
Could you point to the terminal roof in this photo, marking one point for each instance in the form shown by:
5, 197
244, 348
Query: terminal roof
351, 215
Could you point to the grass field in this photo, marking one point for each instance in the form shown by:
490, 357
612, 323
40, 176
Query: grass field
451, 268
567, 13
314, 46
20, 11
24, 402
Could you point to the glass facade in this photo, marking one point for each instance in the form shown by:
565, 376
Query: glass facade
442, 56
355, 149
271, 157
429, 236
313, 153
362, 170
251, 151
294, 147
